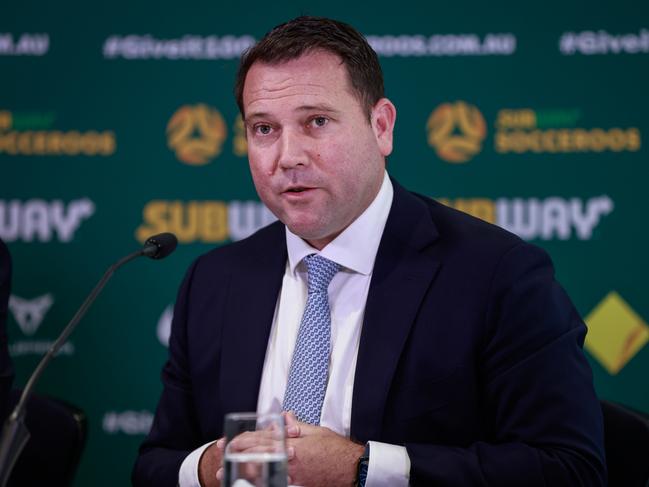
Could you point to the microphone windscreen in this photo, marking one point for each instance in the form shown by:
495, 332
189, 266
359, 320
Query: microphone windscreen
160, 246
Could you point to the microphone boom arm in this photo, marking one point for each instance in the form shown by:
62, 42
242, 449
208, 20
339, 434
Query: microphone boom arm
67, 331
14, 432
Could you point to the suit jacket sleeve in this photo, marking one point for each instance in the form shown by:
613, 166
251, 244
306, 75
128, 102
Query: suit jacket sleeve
542, 421
175, 431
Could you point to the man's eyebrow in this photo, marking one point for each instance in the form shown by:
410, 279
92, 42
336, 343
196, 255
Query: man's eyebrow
255, 115
319, 107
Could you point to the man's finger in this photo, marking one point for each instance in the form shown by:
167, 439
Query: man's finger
290, 418
309, 429
253, 439
292, 424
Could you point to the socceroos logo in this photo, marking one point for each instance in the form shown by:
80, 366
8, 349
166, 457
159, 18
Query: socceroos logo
35, 134
196, 134
456, 131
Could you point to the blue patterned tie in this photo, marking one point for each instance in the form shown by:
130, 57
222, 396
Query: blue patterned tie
307, 378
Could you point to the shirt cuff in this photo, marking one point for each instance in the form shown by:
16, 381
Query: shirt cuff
188, 473
389, 466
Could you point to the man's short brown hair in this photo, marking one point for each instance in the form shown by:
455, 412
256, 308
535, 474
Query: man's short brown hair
306, 34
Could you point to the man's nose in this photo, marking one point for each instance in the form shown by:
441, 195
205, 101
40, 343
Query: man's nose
292, 150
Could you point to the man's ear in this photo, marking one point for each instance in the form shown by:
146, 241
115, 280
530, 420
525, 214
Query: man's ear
384, 115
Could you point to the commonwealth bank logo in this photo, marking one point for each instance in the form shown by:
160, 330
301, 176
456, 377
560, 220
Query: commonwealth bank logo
456, 131
616, 333
196, 133
29, 313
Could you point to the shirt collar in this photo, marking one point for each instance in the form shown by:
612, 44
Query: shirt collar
356, 246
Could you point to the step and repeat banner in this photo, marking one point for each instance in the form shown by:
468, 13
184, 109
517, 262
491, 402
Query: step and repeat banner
118, 122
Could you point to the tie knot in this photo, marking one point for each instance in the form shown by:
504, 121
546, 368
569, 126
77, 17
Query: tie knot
321, 271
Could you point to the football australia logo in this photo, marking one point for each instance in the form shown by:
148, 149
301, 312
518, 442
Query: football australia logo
196, 134
456, 131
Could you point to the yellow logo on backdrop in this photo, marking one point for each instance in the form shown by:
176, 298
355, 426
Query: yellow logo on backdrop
202, 221
31, 134
196, 134
456, 131
195, 220
616, 333
240, 143
5, 119
525, 130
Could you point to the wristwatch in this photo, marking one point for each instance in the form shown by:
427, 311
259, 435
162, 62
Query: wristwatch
363, 465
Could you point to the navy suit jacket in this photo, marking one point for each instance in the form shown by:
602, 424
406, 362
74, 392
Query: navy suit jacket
470, 355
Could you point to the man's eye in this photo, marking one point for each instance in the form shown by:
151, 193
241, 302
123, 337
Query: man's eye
319, 121
263, 129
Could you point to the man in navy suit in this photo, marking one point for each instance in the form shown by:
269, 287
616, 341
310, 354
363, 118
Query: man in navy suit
455, 357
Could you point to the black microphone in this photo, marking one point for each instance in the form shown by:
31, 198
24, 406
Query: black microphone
159, 246
14, 433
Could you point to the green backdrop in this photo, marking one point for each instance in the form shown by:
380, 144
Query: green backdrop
118, 121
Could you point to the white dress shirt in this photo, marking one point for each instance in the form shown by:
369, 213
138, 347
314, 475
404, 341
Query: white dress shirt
355, 250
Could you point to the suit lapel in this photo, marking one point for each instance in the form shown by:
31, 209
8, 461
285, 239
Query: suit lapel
402, 274
248, 317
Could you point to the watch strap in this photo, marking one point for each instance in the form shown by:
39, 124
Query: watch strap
363, 467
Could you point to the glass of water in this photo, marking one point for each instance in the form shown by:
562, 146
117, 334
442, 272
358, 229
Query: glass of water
255, 451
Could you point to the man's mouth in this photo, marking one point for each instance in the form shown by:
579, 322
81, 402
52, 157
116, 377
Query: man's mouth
298, 189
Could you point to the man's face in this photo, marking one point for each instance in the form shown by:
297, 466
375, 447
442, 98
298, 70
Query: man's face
316, 160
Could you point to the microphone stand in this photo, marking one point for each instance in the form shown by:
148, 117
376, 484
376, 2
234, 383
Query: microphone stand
14, 433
